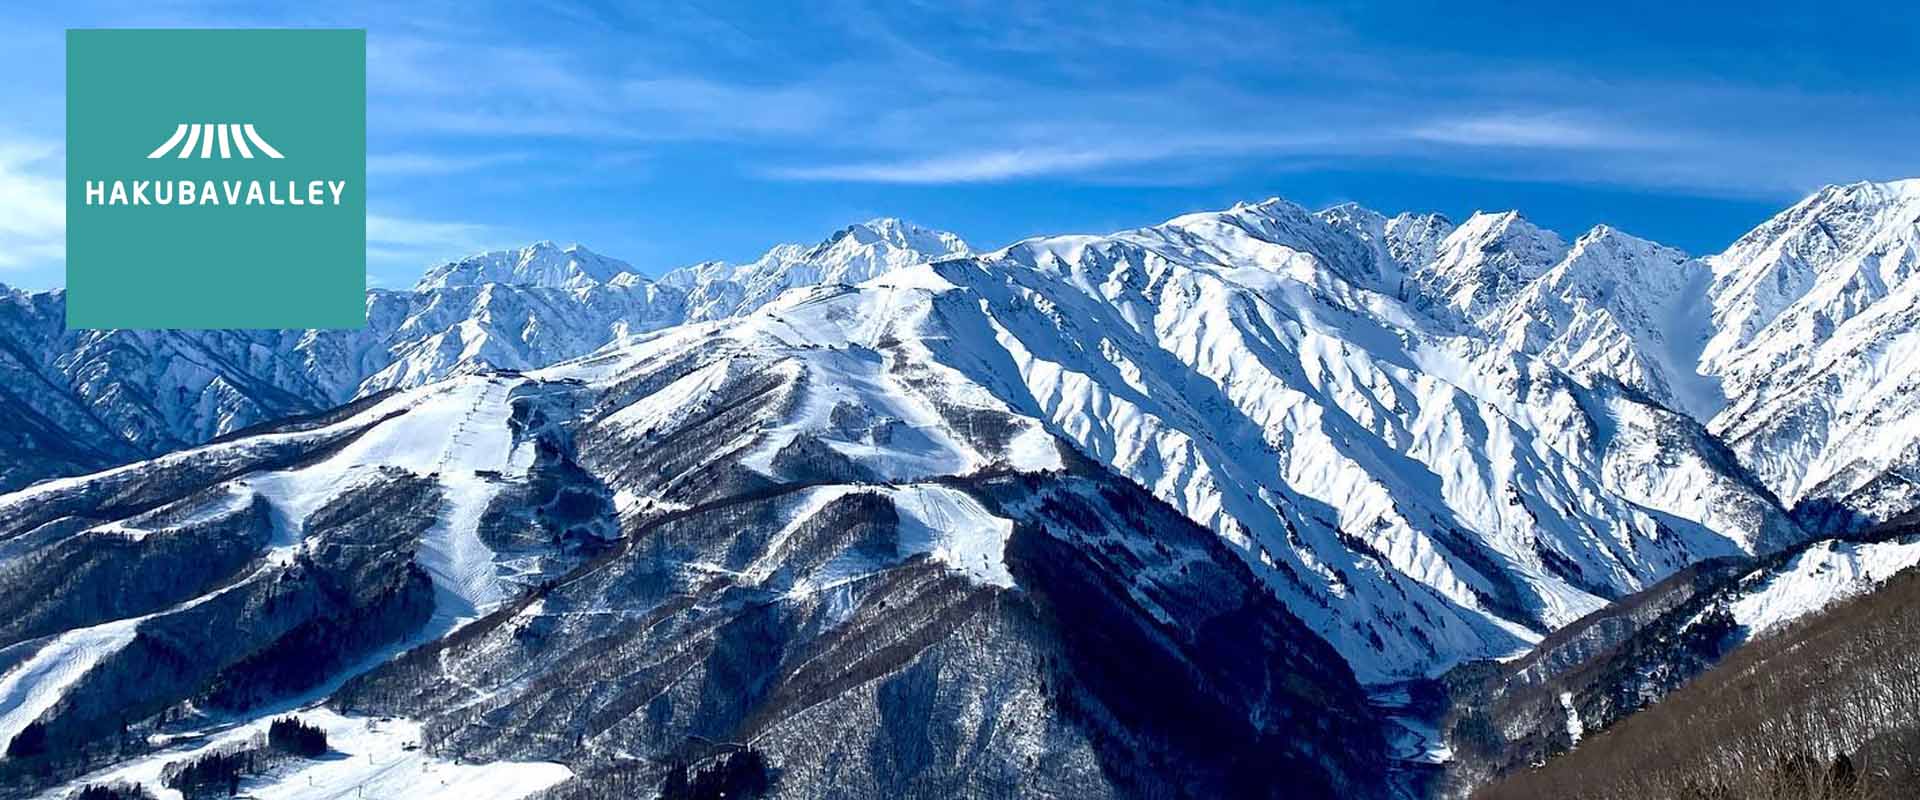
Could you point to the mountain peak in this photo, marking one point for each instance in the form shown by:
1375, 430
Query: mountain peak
1609, 236
851, 255
896, 233
1872, 190
1276, 209
1507, 231
1606, 253
1272, 201
1487, 259
1797, 278
1353, 215
542, 264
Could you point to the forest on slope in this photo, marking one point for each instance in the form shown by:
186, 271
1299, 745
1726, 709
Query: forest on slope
1827, 708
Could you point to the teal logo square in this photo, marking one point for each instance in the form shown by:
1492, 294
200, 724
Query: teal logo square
216, 178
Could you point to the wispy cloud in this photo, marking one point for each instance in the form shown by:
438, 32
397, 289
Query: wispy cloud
984, 92
965, 168
32, 204
1539, 129
411, 232
424, 163
399, 248
1056, 160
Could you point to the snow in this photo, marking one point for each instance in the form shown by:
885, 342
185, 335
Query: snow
1815, 333
1411, 418
36, 492
231, 500
453, 431
938, 521
829, 348
808, 504
693, 393
1575, 729
1624, 308
370, 759
955, 530
1826, 573
541, 264
854, 254
36, 684
1411, 736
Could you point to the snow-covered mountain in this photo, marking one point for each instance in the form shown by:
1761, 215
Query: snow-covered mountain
90, 399
1481, 263
716, 289
1816, 328
886, 478
542, 265
1417, 496
1620, 307
1792, 346
816, 563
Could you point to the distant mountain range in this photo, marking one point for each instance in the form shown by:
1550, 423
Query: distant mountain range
1165, 512
88, 399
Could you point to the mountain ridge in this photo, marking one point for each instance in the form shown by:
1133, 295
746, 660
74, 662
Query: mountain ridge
890, 481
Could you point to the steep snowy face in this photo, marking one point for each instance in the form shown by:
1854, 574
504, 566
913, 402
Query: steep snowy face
1816, 334
115, 395
1272, 234
853, 254
427, 336
1415, 239
1623, 308
543, 265
1810, 268
1416, 497
1400, 245
45, 429
1489, 258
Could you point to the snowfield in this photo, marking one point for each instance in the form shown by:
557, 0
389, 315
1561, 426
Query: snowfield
369, 758
955, 530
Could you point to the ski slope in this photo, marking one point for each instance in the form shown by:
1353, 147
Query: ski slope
371, 760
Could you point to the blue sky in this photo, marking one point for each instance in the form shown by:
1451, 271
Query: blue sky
667, 134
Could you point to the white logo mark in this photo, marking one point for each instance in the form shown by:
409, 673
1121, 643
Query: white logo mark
205, 134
